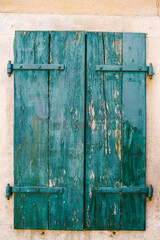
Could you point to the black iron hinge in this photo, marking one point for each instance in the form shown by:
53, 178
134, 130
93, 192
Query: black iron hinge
104, 68
60, 190
125, 68
11, 67
32, 189
131, 190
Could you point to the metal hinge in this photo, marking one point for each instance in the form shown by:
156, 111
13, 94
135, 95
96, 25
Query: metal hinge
47, 190
11, 67
125, 68
132, 190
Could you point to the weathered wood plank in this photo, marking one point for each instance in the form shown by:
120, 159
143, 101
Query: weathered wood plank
103, 131
31, 130
66, 130
133, 132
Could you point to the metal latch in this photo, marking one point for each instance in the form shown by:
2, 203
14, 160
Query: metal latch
125, 68
132, 190
11, 67
47, 190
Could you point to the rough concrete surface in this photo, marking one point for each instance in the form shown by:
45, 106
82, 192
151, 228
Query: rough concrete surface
150, 25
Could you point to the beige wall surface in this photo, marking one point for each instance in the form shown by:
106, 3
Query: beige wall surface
109, 7
150, 25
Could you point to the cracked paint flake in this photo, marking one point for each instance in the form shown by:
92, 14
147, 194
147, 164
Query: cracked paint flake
92, 175
92, 114
90, 193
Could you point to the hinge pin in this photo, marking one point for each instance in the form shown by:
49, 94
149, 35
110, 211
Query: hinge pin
8, 191
9, 68
150, 192
150, 71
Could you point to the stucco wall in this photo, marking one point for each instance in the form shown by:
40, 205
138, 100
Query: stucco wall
9, 22
107, 7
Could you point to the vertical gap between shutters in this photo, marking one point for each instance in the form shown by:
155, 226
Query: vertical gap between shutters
121, 134
85, 107
49, 59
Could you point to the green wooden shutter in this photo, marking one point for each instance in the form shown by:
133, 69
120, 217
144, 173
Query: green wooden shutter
115, 132
50, 148
49, 130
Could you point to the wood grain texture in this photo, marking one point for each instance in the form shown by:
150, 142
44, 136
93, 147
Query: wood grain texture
133, 132
103, 131
31, 130
66, 130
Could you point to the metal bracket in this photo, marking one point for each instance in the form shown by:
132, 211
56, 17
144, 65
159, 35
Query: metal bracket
48, 190
11, 67
132, 190
125, 68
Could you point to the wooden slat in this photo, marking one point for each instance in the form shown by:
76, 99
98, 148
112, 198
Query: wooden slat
66, 130
103, 131
133, 132
31, 130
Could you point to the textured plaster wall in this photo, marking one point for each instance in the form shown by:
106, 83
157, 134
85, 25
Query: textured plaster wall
109, 7
9, 22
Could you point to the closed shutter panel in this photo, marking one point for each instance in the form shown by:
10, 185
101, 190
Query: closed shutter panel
49, 130
69, 176
115, 132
